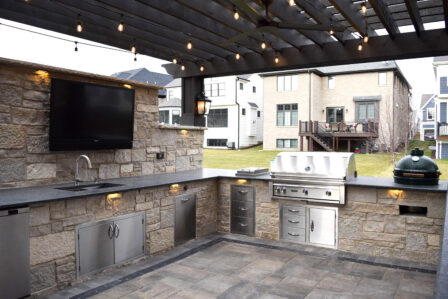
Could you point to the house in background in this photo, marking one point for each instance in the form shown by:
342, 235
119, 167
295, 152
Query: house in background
337, 108
146, 76
235, 119
170, 107
441, 133
427, 116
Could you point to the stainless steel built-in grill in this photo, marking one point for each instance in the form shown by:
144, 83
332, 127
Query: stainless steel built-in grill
312, 176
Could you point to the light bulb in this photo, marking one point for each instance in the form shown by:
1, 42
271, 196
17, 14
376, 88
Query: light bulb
236, 15
263, 45
133, 49
120, 27
237, 56
189, 45
331, 31
182, 67
360, 47
365, 39
291, 2
79, 27
364, 8
202, 68
276, 59
175, 60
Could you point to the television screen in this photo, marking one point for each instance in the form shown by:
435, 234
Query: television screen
90, 116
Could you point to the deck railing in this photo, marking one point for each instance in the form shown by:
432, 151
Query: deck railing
443, 129
360, 128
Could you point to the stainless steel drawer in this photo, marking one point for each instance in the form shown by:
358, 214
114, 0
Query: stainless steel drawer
242, 225
293, 234
243, 193
243, 208
294, 221
293, 211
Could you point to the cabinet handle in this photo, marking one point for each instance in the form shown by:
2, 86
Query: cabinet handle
116, 231
242, 224
293, 221
185, 199
293, 211
110, 231
312, 225
294, 235
243, 209
242, 192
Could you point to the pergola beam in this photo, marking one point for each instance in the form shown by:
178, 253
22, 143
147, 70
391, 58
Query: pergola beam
353, 16
385, 17
445, 12
379, 48
414, 13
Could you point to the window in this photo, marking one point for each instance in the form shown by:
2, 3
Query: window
254, 89
382, 79
176, 117
170, 94
241, 86
164, 117
287, 115
243, 111
287, 83
443, 85
430, 113
287, 143
331, 82
335, 114
214, 89
258, 113
217, 118
366, 111
216, 142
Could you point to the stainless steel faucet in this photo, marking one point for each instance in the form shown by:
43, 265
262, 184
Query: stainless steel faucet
77, 180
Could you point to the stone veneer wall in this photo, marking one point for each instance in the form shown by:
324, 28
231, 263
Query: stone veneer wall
52, 227
267, 211
25, 159
370, 223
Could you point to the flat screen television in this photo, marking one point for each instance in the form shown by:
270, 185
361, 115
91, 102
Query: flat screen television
86, 116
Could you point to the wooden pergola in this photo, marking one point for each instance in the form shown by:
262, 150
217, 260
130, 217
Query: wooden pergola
163, 28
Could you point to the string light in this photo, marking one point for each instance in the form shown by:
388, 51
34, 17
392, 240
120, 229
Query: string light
182, 67
237, 56
360, 47
364, 8
120, 27
365, 39
291, 2
189, 45
202, 68
236, 15
76, 46
133, 48
331, 31
263, 45
276, 59
175, 60
79, 25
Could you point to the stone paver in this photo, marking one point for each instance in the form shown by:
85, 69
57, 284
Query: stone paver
232, 270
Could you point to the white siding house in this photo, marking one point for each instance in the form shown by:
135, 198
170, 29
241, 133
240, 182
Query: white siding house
170, 107
236, 114
441, 69
427, 116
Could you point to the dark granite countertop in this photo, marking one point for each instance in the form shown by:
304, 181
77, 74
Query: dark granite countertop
388, 183
15, 197
24, 196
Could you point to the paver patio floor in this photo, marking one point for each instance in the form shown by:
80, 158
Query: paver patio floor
236, 270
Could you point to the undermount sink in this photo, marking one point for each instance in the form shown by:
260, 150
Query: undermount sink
89, 187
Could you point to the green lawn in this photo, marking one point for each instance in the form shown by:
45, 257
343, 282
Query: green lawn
379, 165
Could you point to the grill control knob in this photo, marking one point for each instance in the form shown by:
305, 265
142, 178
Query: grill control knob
328, 193
277, 189
305, 191
284, 189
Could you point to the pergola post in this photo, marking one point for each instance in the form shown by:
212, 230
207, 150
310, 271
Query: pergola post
191, 88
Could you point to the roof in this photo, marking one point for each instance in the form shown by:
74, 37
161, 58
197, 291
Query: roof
441, 59
252, 104
174, 83
244, 77
174, 102
425, 99
145, 76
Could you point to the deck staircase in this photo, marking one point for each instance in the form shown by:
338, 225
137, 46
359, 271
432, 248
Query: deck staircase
324, 142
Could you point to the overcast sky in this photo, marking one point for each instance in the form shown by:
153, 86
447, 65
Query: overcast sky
26, 46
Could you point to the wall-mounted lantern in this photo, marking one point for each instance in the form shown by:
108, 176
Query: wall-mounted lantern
202, 104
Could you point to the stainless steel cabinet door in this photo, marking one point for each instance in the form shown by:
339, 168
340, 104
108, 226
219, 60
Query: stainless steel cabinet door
185, 218
95, 247
322, 226
129, 238
14, 255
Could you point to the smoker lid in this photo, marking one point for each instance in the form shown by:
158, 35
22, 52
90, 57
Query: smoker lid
417, 169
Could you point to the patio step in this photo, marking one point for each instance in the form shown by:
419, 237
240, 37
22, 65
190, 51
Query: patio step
322, 142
